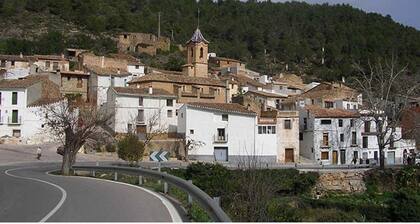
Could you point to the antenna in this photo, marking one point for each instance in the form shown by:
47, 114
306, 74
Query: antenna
198, 17
158, 24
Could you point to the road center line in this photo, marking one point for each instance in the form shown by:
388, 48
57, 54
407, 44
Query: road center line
63, 192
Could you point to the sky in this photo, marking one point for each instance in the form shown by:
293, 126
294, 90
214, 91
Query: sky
406, 12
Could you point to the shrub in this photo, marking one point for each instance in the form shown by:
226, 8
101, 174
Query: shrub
404, 206
130, 149
110, 147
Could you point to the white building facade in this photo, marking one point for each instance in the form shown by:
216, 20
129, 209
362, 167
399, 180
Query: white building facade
134, 109
227, 133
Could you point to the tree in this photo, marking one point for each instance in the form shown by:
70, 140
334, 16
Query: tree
385, 96
130, 149
191, 144
75, 125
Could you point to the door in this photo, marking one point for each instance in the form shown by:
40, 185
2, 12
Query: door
375, 156
290, 157
334, 157
221, 154
342, 156
391, 158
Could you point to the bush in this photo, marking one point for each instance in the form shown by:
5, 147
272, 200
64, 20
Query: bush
130, 149
404, 206
110, 147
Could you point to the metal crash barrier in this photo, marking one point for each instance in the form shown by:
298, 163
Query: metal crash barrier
210, 205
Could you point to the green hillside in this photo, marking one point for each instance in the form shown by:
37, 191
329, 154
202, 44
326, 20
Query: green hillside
266, 35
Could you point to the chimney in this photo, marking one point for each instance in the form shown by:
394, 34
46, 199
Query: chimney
343, 79
150, 90
102, 61
21, 55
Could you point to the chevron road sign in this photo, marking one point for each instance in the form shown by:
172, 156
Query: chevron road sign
159, 156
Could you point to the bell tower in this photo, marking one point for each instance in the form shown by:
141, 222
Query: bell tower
197, 50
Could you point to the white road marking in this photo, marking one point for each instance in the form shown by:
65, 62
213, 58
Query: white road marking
63, 192
169, 206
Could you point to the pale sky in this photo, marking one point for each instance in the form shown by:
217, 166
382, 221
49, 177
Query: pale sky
406, 12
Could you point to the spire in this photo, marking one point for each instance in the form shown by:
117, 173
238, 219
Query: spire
197, 37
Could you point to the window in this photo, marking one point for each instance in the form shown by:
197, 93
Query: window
365, 142
201, 52
348, 106
68, 78
16, 133
341, 137
79, 82
140, 116
266, 129
55, 66
169, 113
353, 138
192, 52
340, 123
47, 64
300, 136
15, 116
367, 126
273, 129
112, 81
176, 112
355, 155
221, 135
191, 131
14, 98
260, 130
354, 107
305, 123
129, 127
125, 36
225, 117
269, 130
391, 142
140, 101
325, 122
287, 124
329, 104
12, 63
137, 66
351, 123
0, 98
325, 139
169, 102
324, 155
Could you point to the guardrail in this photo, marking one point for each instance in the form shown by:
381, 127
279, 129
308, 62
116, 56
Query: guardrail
209, 204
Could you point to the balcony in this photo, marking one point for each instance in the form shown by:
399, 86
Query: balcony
15, 120
220, 138
207, 95
140, 120
189, 94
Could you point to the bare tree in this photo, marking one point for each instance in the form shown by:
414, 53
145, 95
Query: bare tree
154, 127
191, 144
75, 125
381, 85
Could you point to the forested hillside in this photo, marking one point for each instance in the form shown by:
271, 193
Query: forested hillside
266, 35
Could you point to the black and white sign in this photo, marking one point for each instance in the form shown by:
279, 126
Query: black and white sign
159, 156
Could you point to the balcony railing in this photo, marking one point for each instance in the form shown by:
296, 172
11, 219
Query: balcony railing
17, 120
140, 120
220, 138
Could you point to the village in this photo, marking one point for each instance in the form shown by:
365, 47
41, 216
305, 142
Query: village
215, 110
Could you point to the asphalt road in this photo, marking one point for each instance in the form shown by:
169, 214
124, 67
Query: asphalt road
29, 194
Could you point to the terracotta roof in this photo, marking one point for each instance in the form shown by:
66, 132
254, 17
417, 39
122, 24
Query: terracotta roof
142, 91
22, 82
15, 58
266, 94
330, 91
130, 59
225, 107
106, 71
50, 57
181, 79
75, 73
197, 37
320, 112
224, 59
291, 80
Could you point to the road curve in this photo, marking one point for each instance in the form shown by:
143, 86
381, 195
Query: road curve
29, 194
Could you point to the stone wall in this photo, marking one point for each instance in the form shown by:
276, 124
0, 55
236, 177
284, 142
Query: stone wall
340, 182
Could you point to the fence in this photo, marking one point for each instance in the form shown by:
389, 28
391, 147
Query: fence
210, 205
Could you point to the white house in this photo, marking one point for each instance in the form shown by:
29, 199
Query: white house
338, 136
227, 132
19, 106
137, 69
135, 108
101, 79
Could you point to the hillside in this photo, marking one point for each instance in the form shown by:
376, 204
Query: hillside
266, 35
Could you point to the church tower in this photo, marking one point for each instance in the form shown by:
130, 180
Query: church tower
197, 50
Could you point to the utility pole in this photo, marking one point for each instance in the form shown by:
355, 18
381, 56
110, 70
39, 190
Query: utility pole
158, 25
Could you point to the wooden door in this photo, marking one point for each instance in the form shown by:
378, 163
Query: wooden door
335, 157
290, 157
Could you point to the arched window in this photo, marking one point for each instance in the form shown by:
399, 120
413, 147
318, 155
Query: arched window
192, 52
201, 52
